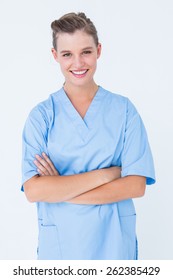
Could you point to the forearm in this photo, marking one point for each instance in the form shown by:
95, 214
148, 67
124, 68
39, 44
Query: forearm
117, 190
63, 188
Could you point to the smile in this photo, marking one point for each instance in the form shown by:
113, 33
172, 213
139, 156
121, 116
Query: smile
80, 73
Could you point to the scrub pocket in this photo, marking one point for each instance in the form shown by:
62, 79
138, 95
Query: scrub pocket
48, 243
128, 227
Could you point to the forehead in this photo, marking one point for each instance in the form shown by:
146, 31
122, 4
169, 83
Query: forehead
77, 40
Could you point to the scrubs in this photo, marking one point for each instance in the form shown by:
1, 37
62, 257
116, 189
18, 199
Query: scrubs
111, 134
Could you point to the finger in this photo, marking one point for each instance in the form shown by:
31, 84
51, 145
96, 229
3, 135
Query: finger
45, 165
40, 172
42, 169
47, 159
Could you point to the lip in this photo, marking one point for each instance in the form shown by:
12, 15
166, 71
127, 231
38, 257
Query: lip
79, 73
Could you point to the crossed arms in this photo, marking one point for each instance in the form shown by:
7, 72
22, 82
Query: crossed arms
94, 187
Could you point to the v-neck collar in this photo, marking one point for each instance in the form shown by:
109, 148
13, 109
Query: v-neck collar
83, 125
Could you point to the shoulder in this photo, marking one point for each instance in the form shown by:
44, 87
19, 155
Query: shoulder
119, 101
45, 109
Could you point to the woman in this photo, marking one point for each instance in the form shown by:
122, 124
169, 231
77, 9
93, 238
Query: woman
85, 156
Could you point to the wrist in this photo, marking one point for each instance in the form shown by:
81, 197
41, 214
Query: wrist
105, 176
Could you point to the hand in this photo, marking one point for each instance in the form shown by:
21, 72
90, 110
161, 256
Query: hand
45, 166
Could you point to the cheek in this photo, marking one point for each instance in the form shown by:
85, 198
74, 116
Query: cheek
64, 65
92, 61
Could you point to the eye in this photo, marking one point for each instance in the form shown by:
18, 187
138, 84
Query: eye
66, 54
86, 52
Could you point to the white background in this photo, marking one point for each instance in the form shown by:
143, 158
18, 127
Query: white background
137, 61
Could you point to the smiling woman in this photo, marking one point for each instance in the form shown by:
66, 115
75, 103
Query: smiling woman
85, 156
77, 55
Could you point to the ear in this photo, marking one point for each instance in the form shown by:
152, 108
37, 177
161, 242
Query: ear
99, 49
55, 55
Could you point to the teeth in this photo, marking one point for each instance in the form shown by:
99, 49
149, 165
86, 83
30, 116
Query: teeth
79, 72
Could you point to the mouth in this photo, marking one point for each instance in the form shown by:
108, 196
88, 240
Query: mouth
79, 73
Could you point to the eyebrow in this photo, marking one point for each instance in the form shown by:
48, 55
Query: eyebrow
87, 48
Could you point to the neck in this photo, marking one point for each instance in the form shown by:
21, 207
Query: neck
80, 92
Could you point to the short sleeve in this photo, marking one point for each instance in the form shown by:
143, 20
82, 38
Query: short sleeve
136, 158
34, 139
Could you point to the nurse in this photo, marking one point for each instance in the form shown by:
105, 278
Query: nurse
85, 156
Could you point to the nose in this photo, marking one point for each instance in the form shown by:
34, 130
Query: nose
78, 62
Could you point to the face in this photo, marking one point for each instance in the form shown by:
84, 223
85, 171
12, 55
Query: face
77, 55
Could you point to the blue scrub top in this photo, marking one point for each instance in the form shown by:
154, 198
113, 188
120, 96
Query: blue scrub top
111, 134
